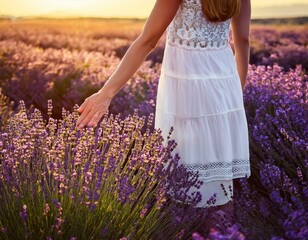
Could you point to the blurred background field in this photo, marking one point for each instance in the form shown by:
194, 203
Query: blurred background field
66, 60
63, 55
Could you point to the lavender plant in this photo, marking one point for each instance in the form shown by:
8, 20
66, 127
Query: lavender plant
232, 233
273, 202
57, 182
68, 77
281, 45
5, 109
42, 74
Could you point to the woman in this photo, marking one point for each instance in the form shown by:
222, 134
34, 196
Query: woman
200, 87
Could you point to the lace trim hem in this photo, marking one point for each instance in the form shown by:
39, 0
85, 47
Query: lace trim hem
238, 168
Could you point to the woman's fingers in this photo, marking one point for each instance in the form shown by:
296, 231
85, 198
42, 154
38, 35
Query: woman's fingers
94, 120
82, 106
81, 120
84, 122
92, 110
90, 118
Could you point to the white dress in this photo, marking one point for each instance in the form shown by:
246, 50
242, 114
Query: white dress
200, 95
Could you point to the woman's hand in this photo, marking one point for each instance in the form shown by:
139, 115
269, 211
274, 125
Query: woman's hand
92, 109
96, 105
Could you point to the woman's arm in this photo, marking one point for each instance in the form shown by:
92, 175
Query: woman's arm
96, 105
241, 36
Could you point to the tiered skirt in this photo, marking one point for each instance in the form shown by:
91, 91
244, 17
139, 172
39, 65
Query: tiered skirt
200, 95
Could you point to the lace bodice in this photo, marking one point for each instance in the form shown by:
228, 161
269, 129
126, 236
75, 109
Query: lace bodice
190, 28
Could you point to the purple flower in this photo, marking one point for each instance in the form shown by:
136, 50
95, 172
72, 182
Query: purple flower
270, 175
104, 231
24, 213
197, 236
296, 226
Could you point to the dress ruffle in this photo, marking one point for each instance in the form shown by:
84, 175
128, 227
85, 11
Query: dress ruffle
200, 95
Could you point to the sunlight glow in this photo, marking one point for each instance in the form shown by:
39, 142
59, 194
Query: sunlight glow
68, 4
118, 8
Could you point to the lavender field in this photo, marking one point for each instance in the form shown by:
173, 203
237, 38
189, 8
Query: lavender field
113, 181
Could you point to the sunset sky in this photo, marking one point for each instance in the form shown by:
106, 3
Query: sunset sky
130, 8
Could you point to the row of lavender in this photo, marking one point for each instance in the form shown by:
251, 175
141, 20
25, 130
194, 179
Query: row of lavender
117, 181
271, 204
68, 77
284, 45
57, 182
287, 46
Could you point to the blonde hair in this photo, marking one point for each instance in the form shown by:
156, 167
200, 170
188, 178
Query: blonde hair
220, 10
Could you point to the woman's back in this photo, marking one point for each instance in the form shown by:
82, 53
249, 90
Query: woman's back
190, 28
191, 42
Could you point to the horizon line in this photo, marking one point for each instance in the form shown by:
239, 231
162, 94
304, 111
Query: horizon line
4, 16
